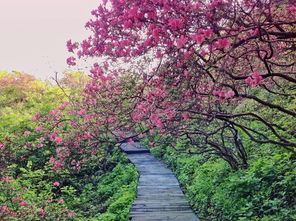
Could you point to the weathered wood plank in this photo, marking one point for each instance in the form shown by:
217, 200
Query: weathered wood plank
159, 197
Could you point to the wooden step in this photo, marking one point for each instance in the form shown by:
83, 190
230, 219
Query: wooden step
164, 216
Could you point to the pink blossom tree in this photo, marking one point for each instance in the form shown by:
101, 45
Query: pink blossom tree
195, 63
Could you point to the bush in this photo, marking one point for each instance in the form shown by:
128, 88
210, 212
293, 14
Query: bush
264, 191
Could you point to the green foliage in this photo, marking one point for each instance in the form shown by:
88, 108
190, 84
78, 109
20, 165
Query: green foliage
91, 193
32, 196
17, 106
264, 191
112, 195
286, 125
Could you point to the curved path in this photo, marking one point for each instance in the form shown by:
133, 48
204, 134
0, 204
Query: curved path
159, 195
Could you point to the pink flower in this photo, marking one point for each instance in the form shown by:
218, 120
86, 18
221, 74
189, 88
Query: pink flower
208, 33
156, 120
81, 112
151, 131
185, 116
293, 8
39, 128
186, 74
187, 55
127, 24
181, 41
203, 53
222, 94
71, 46
36, 117
27, 132
2, 147
198, 38
250, 81
58, 140
57, 165
148, 42
223, 43
71, 61
73, 123
40, 145
53, 112
254, 79
158, 54
51, 159
254, 31
176, 23
56, 183
229, 94
131, 142
6, 179
215, 92
41, 211
151, 144
4, 208
257, 77
62, 107
155, 33
188, 93
64, 210
71, 214
23, 203
152, 15
141, 135
111, 119
61, 201
87, 135
133, 12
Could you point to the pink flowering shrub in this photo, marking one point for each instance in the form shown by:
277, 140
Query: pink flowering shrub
190, 57
44, 156
22, 202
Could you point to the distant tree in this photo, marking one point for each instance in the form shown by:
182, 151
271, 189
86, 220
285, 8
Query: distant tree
13, 87
74, 80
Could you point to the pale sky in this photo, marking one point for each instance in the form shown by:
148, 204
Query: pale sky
33, 33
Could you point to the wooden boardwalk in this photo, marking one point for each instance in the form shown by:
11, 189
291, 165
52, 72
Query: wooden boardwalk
159, 195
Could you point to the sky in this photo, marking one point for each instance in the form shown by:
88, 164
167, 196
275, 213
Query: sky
33, 33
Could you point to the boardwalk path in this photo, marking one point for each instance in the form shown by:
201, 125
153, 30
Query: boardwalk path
159, 195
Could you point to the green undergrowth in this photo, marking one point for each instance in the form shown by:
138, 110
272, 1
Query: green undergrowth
113, 196
265, 191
